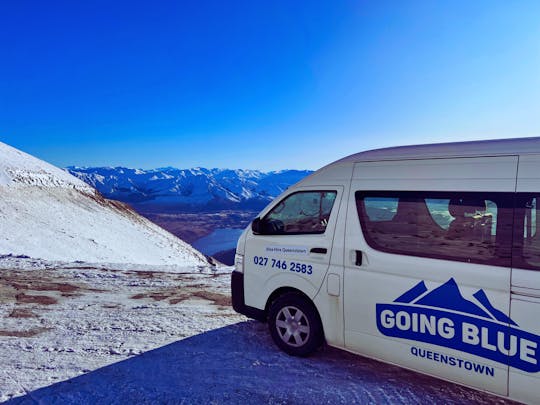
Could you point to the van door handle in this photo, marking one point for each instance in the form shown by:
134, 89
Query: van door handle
318, 250
358, 258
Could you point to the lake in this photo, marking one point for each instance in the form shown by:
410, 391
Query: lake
218, 241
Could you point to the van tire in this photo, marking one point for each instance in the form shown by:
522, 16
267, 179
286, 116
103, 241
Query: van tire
295, 325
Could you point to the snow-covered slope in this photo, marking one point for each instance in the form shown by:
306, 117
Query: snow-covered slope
19, 170
47, 213
197, 188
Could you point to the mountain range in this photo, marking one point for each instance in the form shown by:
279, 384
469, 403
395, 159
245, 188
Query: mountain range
188, 189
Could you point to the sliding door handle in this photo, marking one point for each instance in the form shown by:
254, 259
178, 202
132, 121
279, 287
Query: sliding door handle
318, 250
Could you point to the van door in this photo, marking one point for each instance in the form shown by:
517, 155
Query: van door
524, 381
431, 290
293, 243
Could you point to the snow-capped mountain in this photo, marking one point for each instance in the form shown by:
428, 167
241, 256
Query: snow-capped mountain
196, 188
47, 213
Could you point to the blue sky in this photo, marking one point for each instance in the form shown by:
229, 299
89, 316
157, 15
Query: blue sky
261, 85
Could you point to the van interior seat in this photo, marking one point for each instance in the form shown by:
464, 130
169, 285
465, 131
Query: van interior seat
305, 225
471, 222
412, 220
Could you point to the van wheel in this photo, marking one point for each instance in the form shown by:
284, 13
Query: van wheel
295, 325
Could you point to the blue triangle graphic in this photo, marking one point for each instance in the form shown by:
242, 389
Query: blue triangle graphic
482, 298
448, 296
413, 293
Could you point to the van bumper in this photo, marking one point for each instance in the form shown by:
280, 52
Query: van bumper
237, 293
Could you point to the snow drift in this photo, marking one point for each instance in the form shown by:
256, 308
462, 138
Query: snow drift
49, 214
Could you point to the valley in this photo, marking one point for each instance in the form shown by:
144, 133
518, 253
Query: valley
191, 226
204, 207
195, 229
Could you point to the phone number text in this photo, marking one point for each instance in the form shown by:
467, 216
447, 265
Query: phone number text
283, 265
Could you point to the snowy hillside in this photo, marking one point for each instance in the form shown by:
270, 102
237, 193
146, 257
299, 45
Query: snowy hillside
199, 187
47, 213
20, 170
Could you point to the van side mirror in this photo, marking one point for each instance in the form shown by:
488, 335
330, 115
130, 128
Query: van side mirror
256, 226
267, 227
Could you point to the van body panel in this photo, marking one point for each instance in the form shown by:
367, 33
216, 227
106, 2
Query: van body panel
462, 174
268, 258
399, 353
526, 282
492, 147
525, 297
384, 277
525, 312
241, 244
332, 174
529, 174
362, 334
330, 309
277, 281
329, 300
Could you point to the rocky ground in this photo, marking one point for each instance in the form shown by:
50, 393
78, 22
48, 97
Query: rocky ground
79, 333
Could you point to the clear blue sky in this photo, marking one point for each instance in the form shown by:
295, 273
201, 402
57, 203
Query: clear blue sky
261, 85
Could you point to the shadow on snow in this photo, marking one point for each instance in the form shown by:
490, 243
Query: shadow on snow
240, 364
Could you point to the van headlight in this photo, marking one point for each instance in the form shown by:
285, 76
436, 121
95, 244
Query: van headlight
239, 263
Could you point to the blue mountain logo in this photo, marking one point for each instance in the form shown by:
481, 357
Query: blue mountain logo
448, 296
445, 318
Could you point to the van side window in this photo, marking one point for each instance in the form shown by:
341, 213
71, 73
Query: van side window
305, 212
381, 209
468, 227
527, 237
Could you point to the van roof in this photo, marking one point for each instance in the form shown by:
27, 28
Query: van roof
497, 147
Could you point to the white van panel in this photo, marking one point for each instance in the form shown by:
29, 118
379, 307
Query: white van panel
332, 174
529, 174
464, 174
525, 298
399, 353
373, 285
328, 303
524, 386
383, 277
526, 282
268, 257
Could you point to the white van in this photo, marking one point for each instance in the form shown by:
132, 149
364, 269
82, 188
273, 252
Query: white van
426, 256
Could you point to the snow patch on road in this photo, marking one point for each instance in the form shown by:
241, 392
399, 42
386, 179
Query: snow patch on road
61, 322
126, 335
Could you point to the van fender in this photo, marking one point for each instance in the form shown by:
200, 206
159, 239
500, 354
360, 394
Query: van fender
288, 281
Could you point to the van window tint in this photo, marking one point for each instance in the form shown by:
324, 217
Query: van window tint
438, 209
527, 238
305, 212
380, 209
469, 227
